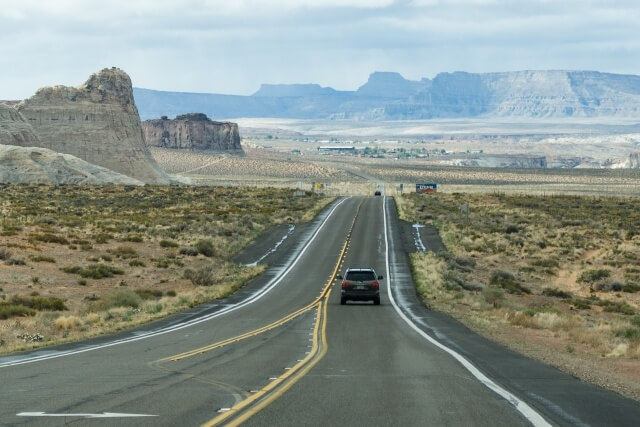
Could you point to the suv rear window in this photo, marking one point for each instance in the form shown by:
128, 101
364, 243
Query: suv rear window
360, 276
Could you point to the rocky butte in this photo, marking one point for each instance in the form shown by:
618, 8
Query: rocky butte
97, 122
22, 161
194, 131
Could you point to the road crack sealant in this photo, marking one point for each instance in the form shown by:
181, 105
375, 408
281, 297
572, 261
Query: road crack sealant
411, 319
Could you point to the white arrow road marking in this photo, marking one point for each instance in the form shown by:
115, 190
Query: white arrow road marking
103, 415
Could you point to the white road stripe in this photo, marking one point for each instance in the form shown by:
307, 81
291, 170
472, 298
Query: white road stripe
48, 354
275, 248
103, 415
528, 412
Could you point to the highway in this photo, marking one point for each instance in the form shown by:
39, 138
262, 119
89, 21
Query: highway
283, 351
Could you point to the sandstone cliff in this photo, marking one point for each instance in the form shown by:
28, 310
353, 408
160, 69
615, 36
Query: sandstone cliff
97, 122
33, 165
193, 131
14, 129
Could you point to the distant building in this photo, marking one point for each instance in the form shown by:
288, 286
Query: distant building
331, 148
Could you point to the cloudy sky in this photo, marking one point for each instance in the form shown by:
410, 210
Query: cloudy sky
231, 46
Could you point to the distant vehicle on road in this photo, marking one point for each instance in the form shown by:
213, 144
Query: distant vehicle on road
377, 193
360, 284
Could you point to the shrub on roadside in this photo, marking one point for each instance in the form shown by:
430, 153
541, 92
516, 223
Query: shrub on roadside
146, 294
67, 322
42, 258
120, 299
48, 238
581, 304
631, 287
557, 293
5, 254
203, 276
608, 286
168, 244
124, 252
507, 281
493, 296
93, 271
546, 262
102, 238
632, 334
592, 276
188, 251
205, 247
618, 307
40, 303
8, 310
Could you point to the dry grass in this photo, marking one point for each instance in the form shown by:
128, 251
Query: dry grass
116, 269
67, 322
256, 163
578, 258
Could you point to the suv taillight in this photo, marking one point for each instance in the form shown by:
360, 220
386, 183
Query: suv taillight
375, 284
345, 283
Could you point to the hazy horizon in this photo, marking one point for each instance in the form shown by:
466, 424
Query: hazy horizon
216, 46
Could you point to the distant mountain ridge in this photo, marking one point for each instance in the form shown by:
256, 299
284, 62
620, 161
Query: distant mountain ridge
389, 96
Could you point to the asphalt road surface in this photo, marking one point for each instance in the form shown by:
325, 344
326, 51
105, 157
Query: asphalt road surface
283, 351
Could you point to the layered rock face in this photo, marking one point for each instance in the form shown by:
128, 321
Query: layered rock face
389, 96
33, 165
385, 84
193, 131
97, 122
527, 94
14, 129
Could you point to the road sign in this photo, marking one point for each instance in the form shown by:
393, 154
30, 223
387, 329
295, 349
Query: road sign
429, 187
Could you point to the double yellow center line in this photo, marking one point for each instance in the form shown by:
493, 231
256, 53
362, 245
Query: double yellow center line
245, 409
248, 407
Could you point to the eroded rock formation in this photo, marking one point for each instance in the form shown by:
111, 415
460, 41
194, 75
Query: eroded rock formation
14, 129
97, 122
193, 131
34, 165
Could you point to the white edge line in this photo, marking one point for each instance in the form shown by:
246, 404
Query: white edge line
251, 299
102, 415
529, 413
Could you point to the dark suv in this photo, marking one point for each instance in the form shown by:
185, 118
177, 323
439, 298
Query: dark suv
360, 284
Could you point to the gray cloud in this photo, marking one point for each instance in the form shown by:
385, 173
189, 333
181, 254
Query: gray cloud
233, 46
